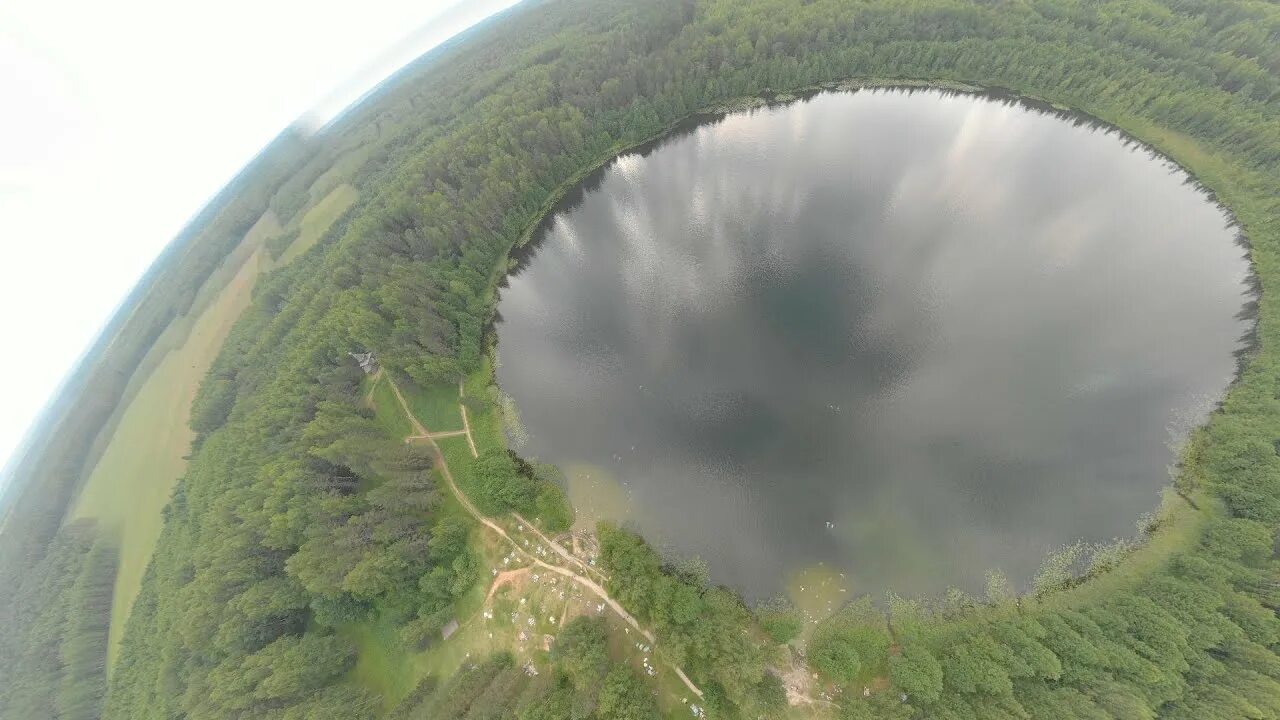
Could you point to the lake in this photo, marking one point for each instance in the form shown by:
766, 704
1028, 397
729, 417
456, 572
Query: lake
903, 336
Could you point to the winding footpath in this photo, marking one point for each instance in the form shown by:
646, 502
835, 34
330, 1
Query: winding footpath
421, 433
558, 548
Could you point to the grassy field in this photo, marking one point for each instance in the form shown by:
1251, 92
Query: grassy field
179, 331
486, 423
347, 164
381, 660
387, 410
436, 406
144, 448
318, 220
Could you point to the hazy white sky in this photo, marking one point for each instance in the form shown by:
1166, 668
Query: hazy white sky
120, 119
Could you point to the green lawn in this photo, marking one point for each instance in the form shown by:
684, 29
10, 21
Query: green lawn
387, 410
384, 664
458, 454
381, 660
435, 406
443, 658
486, 424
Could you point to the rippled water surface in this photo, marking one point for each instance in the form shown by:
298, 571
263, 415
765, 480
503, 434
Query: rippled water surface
909, 336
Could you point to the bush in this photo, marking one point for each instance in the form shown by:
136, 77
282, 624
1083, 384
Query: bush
780, 619
851, 643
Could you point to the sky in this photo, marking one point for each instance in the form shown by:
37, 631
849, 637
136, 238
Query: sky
121, 119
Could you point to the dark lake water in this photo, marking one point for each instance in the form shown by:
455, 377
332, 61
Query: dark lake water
907, 336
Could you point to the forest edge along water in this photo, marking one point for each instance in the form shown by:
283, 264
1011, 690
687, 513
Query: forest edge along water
775, 578
464, 154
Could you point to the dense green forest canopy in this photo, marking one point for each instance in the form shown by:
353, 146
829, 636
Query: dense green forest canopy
303, 515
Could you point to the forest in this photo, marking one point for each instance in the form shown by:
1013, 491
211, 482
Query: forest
56, 630
303, 516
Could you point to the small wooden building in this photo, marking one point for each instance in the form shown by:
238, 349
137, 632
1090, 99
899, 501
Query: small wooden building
367, 361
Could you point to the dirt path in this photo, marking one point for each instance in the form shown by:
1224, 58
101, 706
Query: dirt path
373, 385
465, 501
559, 549
799, 683
442, 435
503, 578
418, 428
451, 433
466, 429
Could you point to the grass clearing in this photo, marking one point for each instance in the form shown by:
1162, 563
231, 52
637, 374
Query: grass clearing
317, 221
380, 656
457, 453
472, 641
384, 663
486, 420
387, 410
346, 166
486, 429
436, 406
